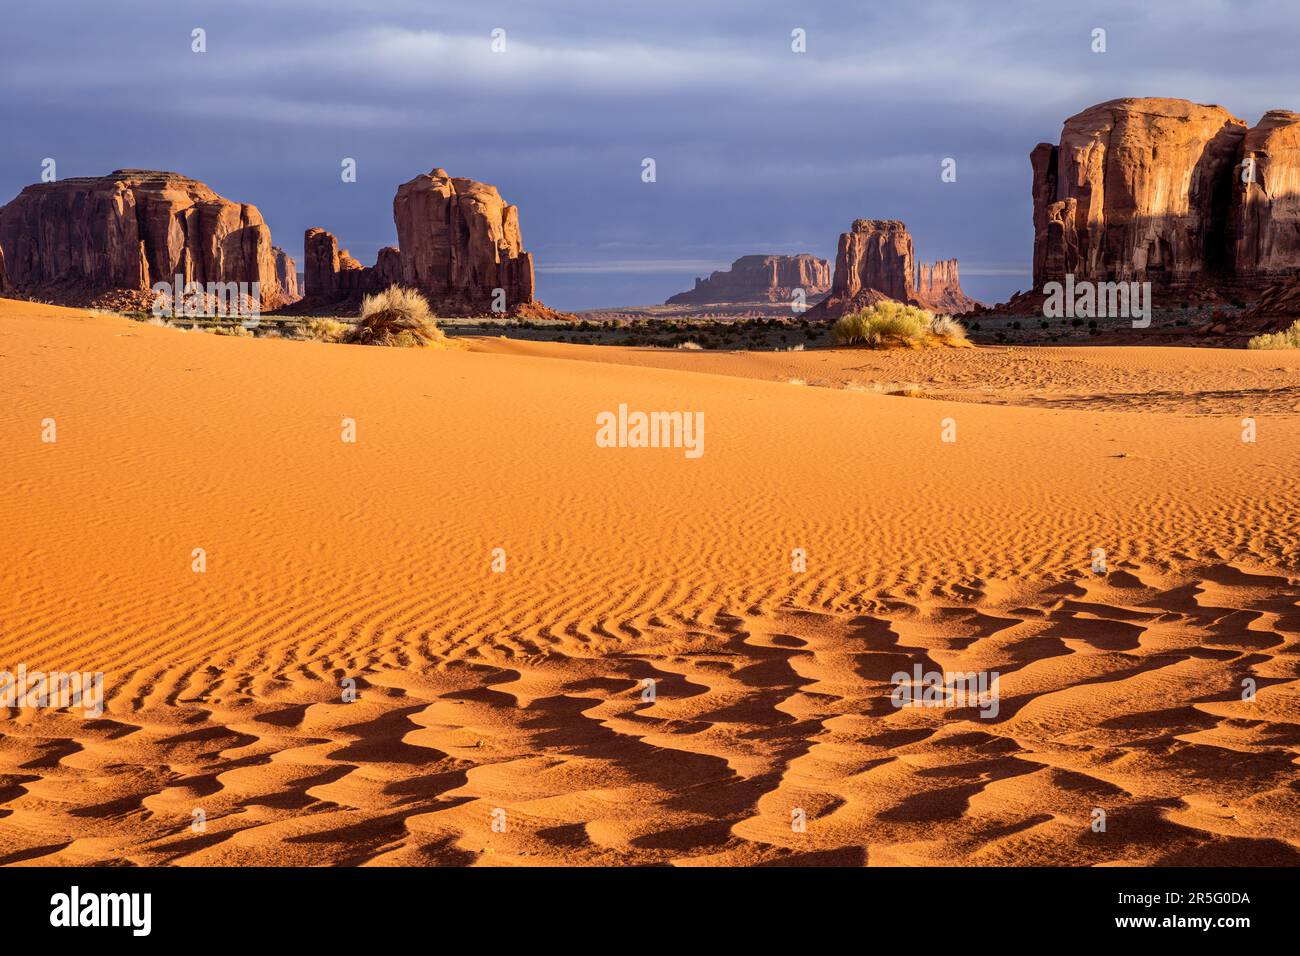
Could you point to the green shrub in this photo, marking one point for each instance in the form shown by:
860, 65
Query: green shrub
1288, 338
891, 323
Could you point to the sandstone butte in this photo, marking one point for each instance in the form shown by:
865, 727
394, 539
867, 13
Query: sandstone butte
106, 240
458, 243
876, 261
760, 279
1182, 195
286, 271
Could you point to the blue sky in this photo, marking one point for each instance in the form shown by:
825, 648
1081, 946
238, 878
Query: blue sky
758, 149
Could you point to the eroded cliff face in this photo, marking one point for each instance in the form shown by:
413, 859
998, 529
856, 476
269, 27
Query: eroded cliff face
85, 240
876, 261
875, 254
286, 273
1264, 226
1171, 192
1137, 190
459, 242
760, 278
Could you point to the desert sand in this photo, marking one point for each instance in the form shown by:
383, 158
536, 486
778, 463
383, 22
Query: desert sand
516, 698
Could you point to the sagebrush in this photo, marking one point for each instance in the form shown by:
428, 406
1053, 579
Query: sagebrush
1288, 338
896, 324
397, 317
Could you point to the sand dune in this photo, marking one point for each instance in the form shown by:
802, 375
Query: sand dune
522, 692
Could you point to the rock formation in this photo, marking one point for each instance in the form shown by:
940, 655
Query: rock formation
876, 261
459, 244
79, 241
333, 276
1171, 192
760, 279
460, 241
938, 288
1137, 190
286, 273
1264, 226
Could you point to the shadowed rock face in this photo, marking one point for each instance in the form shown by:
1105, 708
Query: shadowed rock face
876, 261
79, 240
1169, 192
286, 272
1264, 227
760, 279
1137, 190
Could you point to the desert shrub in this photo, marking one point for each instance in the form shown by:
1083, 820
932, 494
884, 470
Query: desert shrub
1288, 338
395, 317
892, 323
882, 324
949, 329
324, 330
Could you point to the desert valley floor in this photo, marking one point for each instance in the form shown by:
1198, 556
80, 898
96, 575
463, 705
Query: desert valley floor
522, 691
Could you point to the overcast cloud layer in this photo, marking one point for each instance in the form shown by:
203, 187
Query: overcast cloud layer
758, 149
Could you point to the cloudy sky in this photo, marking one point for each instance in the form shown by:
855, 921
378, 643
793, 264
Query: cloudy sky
757, 148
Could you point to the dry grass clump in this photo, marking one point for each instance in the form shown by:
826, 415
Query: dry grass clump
396, 317
324, 330
891, 324
1288, 338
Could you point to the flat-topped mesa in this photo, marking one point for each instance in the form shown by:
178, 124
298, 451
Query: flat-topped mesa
1139, 189
876, 261
458, 242
112, 238
760, 278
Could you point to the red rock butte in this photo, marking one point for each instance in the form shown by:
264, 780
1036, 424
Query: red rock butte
458, 242
1171, 192
876, 261
109, 239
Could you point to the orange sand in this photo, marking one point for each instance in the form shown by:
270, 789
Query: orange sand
522, 691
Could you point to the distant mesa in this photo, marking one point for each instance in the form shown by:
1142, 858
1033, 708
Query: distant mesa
876, 261
108, 239
1171, 192
761, 279
458, 242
